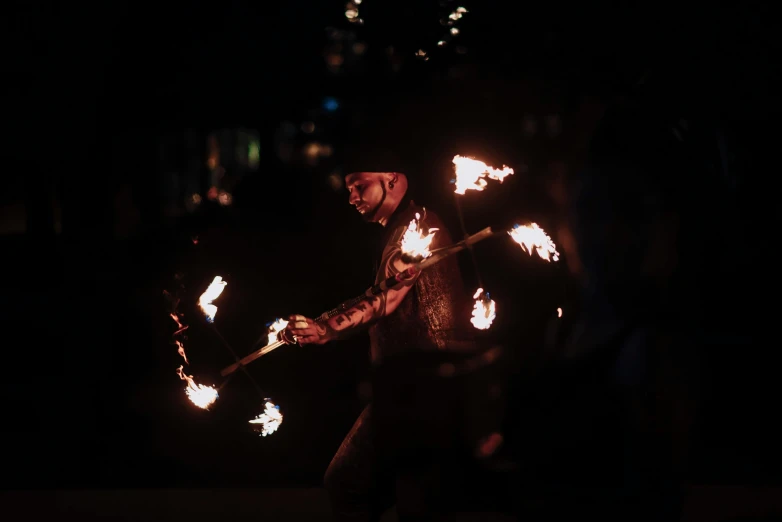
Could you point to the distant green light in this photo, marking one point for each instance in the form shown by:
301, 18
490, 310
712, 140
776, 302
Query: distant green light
253, 154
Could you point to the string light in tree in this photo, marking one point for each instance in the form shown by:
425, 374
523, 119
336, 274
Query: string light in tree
450, 21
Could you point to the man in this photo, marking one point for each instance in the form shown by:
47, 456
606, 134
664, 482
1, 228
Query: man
427, 313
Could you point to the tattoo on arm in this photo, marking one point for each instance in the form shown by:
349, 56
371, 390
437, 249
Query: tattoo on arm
353, 319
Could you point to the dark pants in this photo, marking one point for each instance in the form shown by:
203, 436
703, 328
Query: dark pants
362, 486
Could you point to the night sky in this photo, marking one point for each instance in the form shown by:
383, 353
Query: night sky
102, 97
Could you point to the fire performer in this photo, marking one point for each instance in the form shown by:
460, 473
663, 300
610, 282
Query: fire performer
429, 313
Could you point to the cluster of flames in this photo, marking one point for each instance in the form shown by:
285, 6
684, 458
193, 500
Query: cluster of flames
205, 396
471, 174
199, 394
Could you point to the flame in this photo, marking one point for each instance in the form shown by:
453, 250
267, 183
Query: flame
176, 320
415, 243
484, 312
559, 312
533, 238
274, 329
212, 293
269, 420
470, 174
200, 395
181, 350
180, 327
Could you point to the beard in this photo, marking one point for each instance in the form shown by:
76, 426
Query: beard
370, 215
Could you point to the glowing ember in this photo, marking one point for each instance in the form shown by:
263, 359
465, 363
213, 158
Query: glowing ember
533, 238
416, 243
471, 174
200, 395
212, 293
274, 330
484, 312
268, 421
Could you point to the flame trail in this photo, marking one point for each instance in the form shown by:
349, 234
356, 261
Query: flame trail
471, 174
200, 395
268, 421
484, 311
532, 238
181, 350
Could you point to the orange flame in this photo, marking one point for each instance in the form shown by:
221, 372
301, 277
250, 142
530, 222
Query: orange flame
532, 238
416, 243
176, 320
484, 312
214, 290
200, 395
181, 350
269, 420
471, 174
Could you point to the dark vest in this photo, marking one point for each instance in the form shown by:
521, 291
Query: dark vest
435, 313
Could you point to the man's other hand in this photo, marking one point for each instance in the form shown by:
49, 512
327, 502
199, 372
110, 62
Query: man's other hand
303, 330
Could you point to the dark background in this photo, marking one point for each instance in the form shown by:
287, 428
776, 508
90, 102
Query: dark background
112, 112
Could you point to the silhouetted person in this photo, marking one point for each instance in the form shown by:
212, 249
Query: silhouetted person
609, 419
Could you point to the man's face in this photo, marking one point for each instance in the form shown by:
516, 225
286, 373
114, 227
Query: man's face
367, 193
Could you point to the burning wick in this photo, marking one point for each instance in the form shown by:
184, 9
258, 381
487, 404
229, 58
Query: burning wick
274, 330
484, 312
200, 395
471, 174
212, 292
533, 238
268, 421
415, 243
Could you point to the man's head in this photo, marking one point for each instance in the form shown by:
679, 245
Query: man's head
376, 195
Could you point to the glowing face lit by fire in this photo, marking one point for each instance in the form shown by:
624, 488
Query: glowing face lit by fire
368, 193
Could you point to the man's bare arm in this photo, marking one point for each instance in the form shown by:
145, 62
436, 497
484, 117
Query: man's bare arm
373, 308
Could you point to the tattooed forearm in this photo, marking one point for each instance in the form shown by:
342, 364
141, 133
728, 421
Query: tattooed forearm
353, 319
